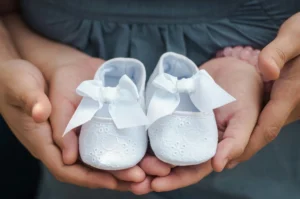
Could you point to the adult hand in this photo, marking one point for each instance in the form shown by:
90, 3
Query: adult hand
22, 95
65, 68
279, 59
235, 121
284, 48
64, 101
63, 83
282, 108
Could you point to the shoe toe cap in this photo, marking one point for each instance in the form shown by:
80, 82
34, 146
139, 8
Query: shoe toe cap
184, 139
103, 146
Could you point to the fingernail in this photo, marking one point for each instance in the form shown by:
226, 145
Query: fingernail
232, 165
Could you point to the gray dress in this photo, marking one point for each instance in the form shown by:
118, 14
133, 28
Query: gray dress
144, 29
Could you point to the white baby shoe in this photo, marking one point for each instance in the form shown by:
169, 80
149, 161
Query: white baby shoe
180, 100
113, 134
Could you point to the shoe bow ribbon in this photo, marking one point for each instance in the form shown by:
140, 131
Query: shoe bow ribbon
203, 91
122, 100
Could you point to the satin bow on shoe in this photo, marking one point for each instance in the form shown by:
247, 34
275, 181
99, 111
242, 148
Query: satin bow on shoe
203, 91
122, 100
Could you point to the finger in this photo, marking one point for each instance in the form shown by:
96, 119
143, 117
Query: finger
35, 103
61, 114
37, 139
143, 187
268, 127
235, 138
79, 174
181, 177
26, 89
283, 48
134, 174
65, 101
153, 166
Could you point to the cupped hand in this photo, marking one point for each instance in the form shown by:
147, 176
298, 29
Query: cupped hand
64, 100
278, 61
282, 108
64, 69
235, 122
63, 83
26, 108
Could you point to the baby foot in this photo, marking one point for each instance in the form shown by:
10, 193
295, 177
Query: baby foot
247, 54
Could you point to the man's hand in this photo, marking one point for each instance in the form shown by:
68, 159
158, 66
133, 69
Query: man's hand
22, 89
285, 47
282, 108
64, 69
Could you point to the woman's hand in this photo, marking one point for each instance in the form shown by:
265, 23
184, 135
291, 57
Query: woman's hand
235, 121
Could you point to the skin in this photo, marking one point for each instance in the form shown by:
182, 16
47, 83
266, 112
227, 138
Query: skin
42, 146
278, 61
235, 121
25, 107
70, 62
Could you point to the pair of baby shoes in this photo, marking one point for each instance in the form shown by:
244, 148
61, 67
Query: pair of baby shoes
177, 113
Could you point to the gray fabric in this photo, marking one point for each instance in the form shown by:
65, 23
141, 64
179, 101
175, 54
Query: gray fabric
145, 29
194, 28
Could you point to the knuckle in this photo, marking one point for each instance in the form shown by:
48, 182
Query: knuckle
281, 54
24, 99
271, 133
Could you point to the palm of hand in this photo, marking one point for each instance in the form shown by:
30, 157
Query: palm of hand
235, 121
65, 101
28, 85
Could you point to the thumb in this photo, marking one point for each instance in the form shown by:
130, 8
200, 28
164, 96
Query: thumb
25, 87
35, 103
282, 49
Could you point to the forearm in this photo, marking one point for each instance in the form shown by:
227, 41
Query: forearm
7, 49
46, 54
